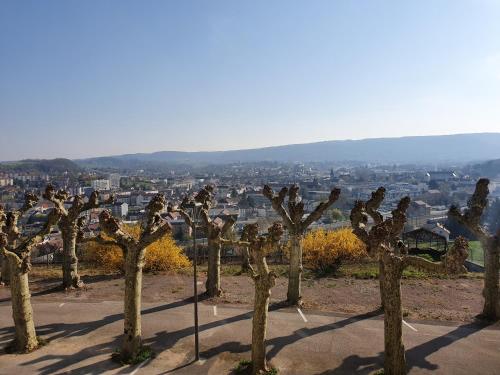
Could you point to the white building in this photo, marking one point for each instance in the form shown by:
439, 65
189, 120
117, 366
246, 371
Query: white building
114, 180
100, 185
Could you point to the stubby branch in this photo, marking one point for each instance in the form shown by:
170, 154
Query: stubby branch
476, 205
321, 208
277, 202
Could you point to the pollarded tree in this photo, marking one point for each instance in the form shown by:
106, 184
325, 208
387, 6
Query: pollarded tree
471, 219
244, 246
371, 207
296, 224
153, 227
264, 280
16, 251
69, 228
11, 229
383, 242
214, 232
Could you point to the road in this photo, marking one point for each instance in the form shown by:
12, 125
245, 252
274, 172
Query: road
82, 337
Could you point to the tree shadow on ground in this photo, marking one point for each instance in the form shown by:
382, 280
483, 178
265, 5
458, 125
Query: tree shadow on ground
59, 362
276, 343
162, 341
53, 285
43, 292
91, 279
55, 331
415, 357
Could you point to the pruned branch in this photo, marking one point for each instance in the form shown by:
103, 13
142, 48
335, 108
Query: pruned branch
153, 220
373, 204
398, 220
56, 197
321, 208
387, 230
111, 226
205, 218
277, 202
228, 225
187, 218
52, 219
30, 201
423, 264
79, 205
204, 196
476, 205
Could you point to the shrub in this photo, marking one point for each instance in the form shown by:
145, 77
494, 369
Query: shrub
323, 251
161, 255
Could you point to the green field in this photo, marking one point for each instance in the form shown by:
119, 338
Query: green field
476, 254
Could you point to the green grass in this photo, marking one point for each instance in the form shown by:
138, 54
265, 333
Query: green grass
281, 270
144, 353
476, 254
245, 367
369, 270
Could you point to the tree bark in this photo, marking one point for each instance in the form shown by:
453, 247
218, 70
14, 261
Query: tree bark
294, 296
25, 339
132, 341
245, 263
71, 279
381, 276
394, 363
5, 274
259, 323
213, 274
491, 292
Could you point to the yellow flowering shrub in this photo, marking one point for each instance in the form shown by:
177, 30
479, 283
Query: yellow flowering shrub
324, 250
161, 255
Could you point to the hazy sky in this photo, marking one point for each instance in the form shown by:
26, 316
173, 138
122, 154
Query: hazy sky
89, 78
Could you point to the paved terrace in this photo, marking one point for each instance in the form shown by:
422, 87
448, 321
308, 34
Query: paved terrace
83, 336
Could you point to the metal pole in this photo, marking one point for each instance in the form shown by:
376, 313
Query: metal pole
196, 342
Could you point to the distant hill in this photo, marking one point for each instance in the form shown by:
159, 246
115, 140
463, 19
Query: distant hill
459, 148
49, 166
491, 168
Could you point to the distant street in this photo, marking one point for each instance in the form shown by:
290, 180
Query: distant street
83, 336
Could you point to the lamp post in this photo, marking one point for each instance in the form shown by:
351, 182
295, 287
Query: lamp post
195, 210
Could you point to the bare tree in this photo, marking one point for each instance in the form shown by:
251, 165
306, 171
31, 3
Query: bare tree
153, 227
264, 280
214, 232
296, 225
383, 242
371, 207
69, 228
471, 219
244, 246
16, 251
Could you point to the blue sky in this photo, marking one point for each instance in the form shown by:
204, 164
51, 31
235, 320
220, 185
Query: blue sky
90, 78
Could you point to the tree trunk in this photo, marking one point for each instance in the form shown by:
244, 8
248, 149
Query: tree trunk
25, 339
213, 273
294, 296
71, 279
259, 324
394, 362
5, 273
245, 264
381, 281
132, 341
491, 292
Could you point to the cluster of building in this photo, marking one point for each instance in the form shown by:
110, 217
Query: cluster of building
238, 192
